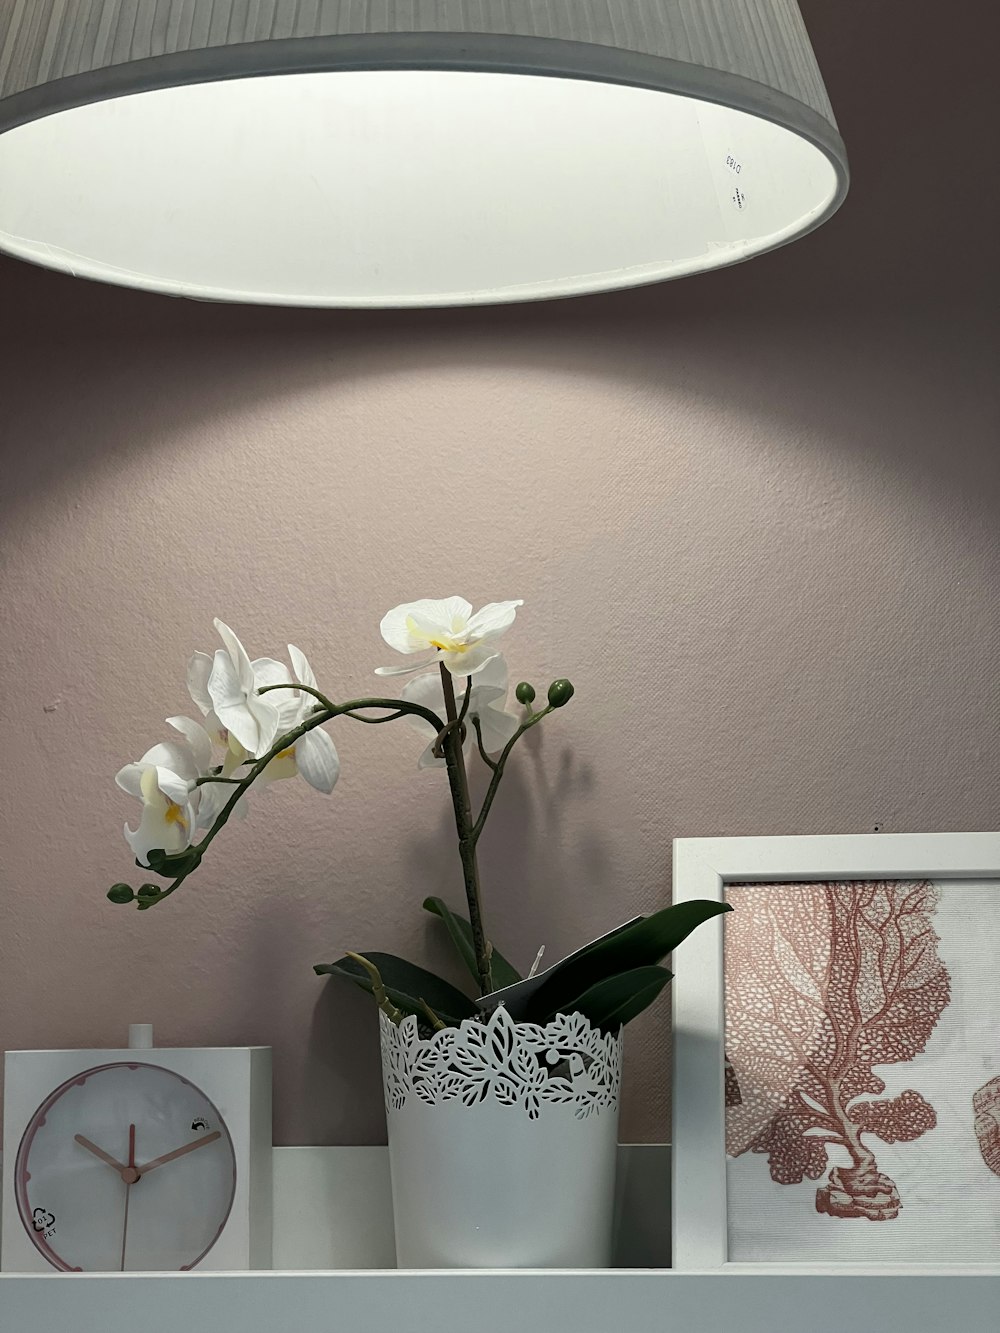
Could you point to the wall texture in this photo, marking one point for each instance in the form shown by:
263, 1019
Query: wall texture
753, 516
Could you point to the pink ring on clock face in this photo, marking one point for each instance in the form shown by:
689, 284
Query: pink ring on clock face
125, 1167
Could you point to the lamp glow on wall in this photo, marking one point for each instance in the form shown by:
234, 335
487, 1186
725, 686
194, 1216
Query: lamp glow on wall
408, 152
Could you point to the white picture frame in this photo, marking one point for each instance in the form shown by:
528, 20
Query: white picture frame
703, 867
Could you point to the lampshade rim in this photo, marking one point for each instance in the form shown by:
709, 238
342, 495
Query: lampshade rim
470, 52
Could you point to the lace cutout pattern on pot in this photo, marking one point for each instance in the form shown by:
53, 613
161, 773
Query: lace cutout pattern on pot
565, 1063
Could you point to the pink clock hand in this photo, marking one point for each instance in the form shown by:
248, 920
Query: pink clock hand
99, 1152
129, 1175
178, 1152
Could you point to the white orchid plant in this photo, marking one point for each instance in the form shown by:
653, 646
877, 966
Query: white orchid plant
262, 721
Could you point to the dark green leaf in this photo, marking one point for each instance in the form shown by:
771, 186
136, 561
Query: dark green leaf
641, 944
617, 1000
406, 985
178, 863
461, 936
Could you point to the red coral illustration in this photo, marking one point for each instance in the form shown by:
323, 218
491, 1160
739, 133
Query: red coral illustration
823, 983
986, 1110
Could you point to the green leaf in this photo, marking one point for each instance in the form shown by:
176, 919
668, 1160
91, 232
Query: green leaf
617, 1000
406, 985
170, 866
642, 944
461, 936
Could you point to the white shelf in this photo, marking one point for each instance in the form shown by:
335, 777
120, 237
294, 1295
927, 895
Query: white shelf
332, 1205
617, 1301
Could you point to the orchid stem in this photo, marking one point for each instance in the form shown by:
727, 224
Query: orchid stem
328, 711
477, 725
451, 745
498, 768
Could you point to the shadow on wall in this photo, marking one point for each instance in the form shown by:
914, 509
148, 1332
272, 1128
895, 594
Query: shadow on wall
874, 392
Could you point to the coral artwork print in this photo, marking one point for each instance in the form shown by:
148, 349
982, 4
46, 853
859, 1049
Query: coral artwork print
825, 984
986, 1113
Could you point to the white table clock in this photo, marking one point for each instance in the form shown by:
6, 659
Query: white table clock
137, 1160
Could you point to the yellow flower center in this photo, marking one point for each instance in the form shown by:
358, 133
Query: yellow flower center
175, 814
450, 647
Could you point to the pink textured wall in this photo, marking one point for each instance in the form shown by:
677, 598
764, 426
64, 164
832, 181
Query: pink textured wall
753, 517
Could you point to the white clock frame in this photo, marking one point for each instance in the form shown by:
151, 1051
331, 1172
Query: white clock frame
236, 1079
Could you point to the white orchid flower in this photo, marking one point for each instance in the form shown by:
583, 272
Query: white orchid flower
198, 672
314, 755
164, 780
165, 823
231, 687
459, 639
212, 796
247, 724
489, 694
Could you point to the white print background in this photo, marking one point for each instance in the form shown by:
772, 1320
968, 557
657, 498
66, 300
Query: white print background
950, 1198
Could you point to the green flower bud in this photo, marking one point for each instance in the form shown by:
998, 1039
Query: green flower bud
560, 693
525, 693
121, 893
149, 891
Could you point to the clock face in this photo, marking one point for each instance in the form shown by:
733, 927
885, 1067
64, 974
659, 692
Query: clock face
126, 1167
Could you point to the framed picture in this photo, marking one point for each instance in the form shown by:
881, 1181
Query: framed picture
837, 1053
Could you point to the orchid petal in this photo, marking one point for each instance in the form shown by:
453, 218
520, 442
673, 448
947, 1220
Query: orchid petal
176, 755
428, 759
497, 728
301, 669
492, 620
406, 670
252, 720
288, 702
173, 787
238, 655
198, 672
318, 761
129, 779
493, 676
213, 796
410, 627
427, 692
469, 661
224, 682
269, 671
198, 739
281, 767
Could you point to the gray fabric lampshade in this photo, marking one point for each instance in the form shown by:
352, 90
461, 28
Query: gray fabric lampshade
408, 153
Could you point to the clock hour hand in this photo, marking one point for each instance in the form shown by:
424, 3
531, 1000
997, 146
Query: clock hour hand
178, 1152
99, 1152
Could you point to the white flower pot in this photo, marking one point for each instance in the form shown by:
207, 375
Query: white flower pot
502, 1142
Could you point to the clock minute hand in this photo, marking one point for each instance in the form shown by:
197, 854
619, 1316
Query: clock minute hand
178, 1152
99, 1152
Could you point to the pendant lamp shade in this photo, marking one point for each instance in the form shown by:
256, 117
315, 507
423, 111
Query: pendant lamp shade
408, 152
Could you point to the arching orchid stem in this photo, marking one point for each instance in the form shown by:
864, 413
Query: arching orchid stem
398, 707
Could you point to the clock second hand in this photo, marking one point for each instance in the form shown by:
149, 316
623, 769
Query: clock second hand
129, 1176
